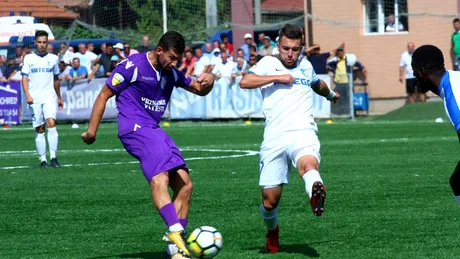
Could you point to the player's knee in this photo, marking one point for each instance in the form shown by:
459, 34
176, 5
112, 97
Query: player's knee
160, 180
270, 204
40, 129
50, 123
187, 189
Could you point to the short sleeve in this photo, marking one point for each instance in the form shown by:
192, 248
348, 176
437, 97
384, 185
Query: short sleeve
314, 77
261, 68
122, 75
25, 70
181, 79
402, 63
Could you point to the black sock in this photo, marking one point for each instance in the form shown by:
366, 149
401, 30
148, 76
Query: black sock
455, 180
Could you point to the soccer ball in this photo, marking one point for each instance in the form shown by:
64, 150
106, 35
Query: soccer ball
204, 242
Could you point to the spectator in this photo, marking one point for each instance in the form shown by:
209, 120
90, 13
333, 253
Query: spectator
407, 74
202, 62
86, 58
253, 51
215, 44
115, 59
50, 49
252, 60
208, 51
118, 48
223, 48
261, 37
247, 44
16, 74
224, 69
391, 26
240, 69
240, 54
63, 70
104, 62
319, 60
224, 39
66, 53
20, 53
90, 46
455, 45
77, 71
188, 63
266, 49
145, 44
342, 66
127, 51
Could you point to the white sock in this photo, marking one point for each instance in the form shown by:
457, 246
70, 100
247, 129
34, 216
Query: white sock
53, 141
40, 142
270, 217
457, 198
172, 249
176, 227
310, 178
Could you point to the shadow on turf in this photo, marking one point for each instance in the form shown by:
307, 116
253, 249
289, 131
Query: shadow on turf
294, 249
143, 255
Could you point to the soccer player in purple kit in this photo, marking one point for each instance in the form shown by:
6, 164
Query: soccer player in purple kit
143, 84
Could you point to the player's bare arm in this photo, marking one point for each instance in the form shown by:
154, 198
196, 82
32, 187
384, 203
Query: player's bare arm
251, 81
57, 89
96, 115
202, 85
322, 89
25, 86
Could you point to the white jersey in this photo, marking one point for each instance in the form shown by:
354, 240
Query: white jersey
287, 107
449, 91
41, 71
406, 61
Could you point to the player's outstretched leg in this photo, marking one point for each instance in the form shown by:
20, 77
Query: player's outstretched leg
40, 142
159, 185
455, 182
314, 186
269, 210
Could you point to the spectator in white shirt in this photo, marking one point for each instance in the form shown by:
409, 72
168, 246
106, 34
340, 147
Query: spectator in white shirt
407, 74
391, 26
201, 63
87, 58
224, 69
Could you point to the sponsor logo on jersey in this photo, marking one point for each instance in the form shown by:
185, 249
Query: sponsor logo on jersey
297, 81
117, 79
41, 70
129, 64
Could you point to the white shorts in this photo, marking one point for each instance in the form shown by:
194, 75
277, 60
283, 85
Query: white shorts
277, 153
43, 111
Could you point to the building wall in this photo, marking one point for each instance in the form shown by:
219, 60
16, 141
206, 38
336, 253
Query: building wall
342, 21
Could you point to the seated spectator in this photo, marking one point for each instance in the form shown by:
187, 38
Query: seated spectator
224, 69
77, 72
253, 51
127, 51
240, 68
63, 70
115, 59
202, 62
391, 26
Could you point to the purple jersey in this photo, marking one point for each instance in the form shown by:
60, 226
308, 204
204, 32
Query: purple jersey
142, 93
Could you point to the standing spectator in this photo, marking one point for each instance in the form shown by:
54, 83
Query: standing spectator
342, 66
224, 39
118, 49
188, 63
319, 60
391, 26
455, 45
104, 62
224, 69
247, 44
202, 62
50, 49
253, 51
77, 71
407, 74
266, 49
90, 47
127, 51
145, 44
86, 58
261, 37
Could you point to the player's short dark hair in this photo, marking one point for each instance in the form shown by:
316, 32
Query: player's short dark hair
429, 57
291, 31
41, 33
456, 20
172, 40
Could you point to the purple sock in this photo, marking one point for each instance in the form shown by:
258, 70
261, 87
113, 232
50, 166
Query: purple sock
169, 215
183, 222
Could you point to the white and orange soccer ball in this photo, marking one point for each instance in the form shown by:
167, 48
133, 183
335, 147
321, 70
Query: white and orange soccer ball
205, 242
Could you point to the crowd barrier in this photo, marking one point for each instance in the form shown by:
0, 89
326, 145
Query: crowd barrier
226, 101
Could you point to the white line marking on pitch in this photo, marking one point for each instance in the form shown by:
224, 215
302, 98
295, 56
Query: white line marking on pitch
243, 153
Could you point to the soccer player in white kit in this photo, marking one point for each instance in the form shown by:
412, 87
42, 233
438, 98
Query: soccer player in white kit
428, 65
42, 89
287, 84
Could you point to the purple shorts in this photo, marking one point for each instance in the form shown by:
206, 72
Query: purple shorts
155, 150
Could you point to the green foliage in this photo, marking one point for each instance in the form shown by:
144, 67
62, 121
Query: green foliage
62, 33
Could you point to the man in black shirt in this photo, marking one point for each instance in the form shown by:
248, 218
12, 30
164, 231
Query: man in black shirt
105, 61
